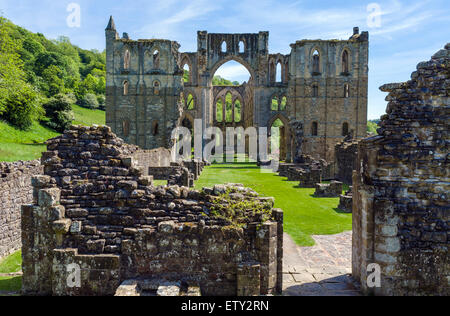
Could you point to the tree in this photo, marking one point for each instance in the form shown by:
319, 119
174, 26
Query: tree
59, 112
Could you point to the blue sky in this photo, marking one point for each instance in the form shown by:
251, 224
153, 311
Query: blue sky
408, 31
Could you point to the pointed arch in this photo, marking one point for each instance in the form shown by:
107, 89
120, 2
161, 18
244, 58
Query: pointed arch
156, 59
126, 59
345, 62
219, 110
316, 61
283, 103
274, 103
241, 47
279, 73
126, 85
237, 106
229, 107
224, 47
187, 69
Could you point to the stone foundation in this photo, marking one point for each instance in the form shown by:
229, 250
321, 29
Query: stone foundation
346, 154
346, 201
101, 215
333, 189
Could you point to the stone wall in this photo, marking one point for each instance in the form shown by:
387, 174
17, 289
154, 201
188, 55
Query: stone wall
346, 154
95, 208
15, 190
401, 189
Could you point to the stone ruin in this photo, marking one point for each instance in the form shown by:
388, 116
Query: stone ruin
346, 154
401, 215
95, 210
308, 171
346, 201
333, 189
15, 190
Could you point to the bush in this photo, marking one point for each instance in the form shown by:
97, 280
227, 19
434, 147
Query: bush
59, 112
89, 101
22, 108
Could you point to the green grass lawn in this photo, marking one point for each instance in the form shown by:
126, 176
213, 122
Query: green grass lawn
88, 117
304, 215
16, 144
10, 264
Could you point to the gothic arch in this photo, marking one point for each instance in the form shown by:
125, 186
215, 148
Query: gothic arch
226, 59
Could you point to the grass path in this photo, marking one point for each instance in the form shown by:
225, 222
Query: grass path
304, 215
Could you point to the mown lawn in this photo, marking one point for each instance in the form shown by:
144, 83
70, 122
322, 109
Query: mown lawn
16, 144
11, 264
88, 117
304, 215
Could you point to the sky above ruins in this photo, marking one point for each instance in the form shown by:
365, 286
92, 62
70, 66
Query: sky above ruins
402, 33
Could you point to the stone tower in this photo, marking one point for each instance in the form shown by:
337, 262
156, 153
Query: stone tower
143, 86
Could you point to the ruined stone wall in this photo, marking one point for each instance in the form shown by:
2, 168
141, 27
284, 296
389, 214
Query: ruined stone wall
401, 188
94, 207
340, 100
15, 190
346, 154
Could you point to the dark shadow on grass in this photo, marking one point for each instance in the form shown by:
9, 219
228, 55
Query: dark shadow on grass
10, 285
338, 210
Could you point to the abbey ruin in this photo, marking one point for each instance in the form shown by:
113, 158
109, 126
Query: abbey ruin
323, 89
91, 220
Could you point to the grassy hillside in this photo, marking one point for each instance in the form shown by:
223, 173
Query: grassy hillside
87, 117
16, 144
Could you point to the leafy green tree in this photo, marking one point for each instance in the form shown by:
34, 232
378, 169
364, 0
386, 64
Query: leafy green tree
59, 112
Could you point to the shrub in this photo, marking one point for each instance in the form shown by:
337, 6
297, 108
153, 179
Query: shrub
59, 112
89, 101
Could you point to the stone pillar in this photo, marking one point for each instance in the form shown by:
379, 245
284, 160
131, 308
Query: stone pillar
248, 279
278, 215
266, 244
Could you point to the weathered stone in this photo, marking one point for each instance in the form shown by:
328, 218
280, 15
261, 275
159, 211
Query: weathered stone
401, 186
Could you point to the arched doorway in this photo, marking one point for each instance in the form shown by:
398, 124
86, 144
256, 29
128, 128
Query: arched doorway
280, 133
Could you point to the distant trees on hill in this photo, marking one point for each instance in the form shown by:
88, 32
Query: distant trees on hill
35, 71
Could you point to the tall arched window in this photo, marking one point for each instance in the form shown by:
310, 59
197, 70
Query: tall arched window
316, 62
274, 104
186, 73
156, 86
126, 60
229, 107
345, 68
224, 47
237, 111
219, 110
155, 128
314, 129
278, 72
345, 129
241, 47
125, 87
283, 103
126, 128
346, 90
315, 90
156, 59
190, 102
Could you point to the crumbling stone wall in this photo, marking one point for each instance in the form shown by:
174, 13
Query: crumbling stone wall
95, 208
401, 188
15, 190
346, 154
